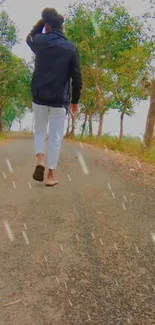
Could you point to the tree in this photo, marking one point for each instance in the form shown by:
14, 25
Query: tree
112, 45
9, 115
149, 83
128, 89
150, 122
8, 31
81, 28
15, 78
9, 64
20, 113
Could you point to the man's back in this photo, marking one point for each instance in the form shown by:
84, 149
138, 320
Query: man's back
56, 62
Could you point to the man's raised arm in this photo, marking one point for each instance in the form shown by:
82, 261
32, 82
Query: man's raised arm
31, 38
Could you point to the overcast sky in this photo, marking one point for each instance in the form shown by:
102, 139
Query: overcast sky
25, 13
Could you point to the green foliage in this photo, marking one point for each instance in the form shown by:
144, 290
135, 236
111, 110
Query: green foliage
8, 31
9, 115
115, 55
15, 77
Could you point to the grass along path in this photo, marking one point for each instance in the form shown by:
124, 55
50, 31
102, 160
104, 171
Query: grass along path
3, 138
129, 145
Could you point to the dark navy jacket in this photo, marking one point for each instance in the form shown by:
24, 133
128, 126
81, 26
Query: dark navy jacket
57, 62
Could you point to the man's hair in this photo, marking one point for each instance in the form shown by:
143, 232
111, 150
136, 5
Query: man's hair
52, 18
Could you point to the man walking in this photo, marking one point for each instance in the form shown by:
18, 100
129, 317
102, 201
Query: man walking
56, 63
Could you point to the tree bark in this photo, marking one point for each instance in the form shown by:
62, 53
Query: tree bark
84, 125
10, 125
121, 126
150, 122
100, 128
1, 123
72, 133
68, 126
20, 125
90, 126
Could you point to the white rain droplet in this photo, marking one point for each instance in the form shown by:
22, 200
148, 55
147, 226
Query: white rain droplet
8, 230
113, 195
58, 136
153, 237
88, 316
66, 286
137, 249
117, 283
70, 303
11, 303
29, 184
25, 237
138, 163
123, 206
109, 186
14, 185
25, 226
82, 163
69, 178
45, 258
125, 198
4, 175
101, 241
93, 235
61, 248
115, 247
9, 165
57, 280
77, 237
128, 319
31, 38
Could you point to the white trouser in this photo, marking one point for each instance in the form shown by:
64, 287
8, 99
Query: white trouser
56, 117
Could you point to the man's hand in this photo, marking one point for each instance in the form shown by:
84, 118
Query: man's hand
74, 110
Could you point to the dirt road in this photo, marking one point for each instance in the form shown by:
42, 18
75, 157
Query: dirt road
80, 253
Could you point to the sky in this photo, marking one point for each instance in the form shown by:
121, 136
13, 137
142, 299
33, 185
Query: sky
25, 13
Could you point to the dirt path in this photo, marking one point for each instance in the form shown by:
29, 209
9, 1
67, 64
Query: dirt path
82, 252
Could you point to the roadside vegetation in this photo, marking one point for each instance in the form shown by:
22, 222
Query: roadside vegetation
129, 145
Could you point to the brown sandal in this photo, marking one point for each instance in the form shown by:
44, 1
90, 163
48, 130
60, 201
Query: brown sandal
38, 174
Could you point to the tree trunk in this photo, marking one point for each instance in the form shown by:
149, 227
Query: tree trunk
100, 128
84, 126
1, 123
32, 127
90, 126
20, 126
72, 133
68, 126
10, 125
150, 122
121, 126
